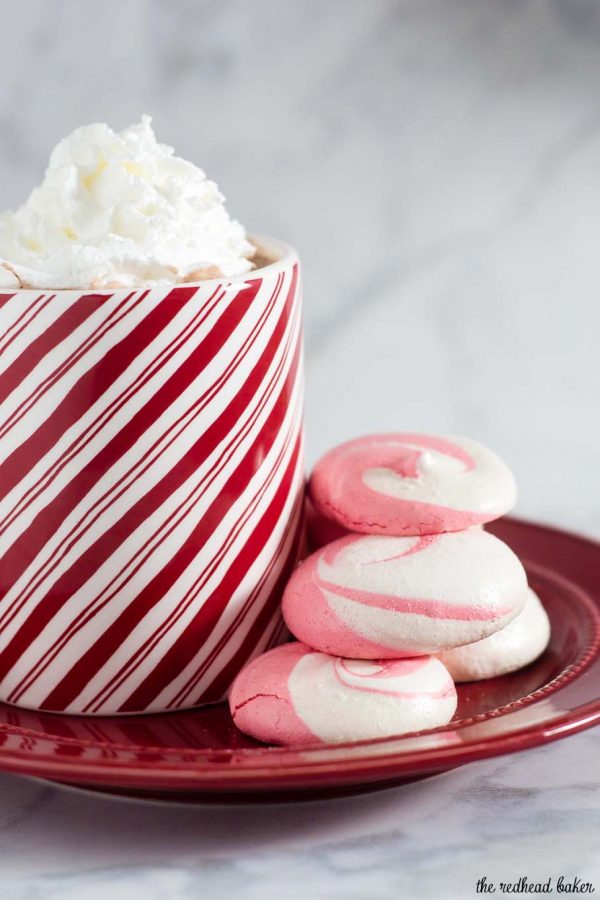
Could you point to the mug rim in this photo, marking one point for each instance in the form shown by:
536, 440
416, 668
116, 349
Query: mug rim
285, 253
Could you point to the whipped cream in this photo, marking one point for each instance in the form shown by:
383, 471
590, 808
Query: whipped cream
120, 210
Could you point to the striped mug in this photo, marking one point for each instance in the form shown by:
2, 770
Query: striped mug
151, 487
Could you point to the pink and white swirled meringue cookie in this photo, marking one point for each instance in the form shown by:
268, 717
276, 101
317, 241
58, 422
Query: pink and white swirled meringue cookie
511, 648
321, 530
374, 597
405, 484
295, 695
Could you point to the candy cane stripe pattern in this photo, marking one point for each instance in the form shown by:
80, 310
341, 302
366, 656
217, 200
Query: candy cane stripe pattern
295, 695
374, 597
150, 488
406, 484
511, 648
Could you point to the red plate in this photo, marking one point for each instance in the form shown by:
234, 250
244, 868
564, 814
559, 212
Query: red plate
201, 756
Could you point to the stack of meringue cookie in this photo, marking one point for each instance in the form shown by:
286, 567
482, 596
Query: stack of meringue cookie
411, 596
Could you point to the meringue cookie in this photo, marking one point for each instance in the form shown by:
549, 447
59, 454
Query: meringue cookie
295, 695
320, 530
511, 648
406, 484
373, 597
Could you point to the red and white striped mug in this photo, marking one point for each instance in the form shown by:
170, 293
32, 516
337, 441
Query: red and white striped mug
151, 487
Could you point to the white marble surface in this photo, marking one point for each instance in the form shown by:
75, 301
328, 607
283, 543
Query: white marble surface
534, 814
436, 164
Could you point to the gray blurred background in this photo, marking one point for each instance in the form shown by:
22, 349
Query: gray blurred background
435, 162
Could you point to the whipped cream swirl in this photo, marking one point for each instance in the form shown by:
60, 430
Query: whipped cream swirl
120, 210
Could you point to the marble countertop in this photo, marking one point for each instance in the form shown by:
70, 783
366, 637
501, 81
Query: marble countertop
436, 164
535, 814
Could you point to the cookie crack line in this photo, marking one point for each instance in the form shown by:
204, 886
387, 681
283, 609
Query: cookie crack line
330, 507
250, 699
347, 521
353, 523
